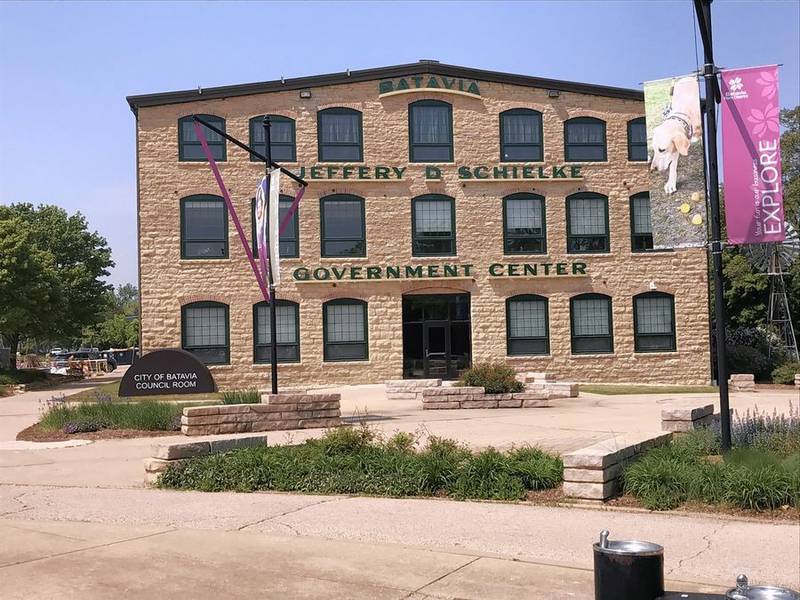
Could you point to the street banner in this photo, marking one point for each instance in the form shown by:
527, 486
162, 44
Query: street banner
751, 155
262, 220
274, 225
677, 176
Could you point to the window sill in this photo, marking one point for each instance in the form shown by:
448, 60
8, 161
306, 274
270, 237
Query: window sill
527, 356
195, 261
220, 367
527, 255
594, 356
522, 163
666, 251
655, 353
336, 363
582, 162
267, 366
434, 257
594, 254
338, 259
638, 163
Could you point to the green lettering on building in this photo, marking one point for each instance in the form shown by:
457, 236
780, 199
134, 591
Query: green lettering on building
429, 82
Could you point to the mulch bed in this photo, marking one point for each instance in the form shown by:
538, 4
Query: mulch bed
35, 433
789, 513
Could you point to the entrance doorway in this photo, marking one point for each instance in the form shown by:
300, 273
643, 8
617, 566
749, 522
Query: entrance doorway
436, 336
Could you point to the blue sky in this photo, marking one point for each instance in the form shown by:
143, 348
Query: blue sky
65, 68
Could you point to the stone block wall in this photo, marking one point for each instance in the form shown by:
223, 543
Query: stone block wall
409, 389
595, 472
687, 419
281, 412
797, 379
742, 382
449, 398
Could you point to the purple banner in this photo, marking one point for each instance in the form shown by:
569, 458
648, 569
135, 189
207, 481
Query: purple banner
751, 155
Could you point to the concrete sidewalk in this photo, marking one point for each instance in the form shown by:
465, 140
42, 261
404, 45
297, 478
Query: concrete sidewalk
698, 548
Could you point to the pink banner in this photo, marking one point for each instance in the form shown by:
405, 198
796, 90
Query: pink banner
751, 155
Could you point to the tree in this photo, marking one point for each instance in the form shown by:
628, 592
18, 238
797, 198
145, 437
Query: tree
51, 270
119, 327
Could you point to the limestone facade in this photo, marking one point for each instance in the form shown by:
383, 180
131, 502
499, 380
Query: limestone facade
167, 282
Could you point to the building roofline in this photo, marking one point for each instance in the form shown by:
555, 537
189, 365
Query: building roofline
417, 68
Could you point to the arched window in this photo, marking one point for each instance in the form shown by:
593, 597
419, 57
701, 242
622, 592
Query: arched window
430, 131
339, 135
205, 331
521, 135
527, 327
342, 227
189, 147
524, 224
654, 322
287, 319
641, 227
587, 223
289, 238
204, 227
584, 139
281, 137
433, 225
344, 326
591, 324
637, 139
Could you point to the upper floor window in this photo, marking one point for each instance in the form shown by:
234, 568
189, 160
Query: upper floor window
344, 330
587, 223
288, 246
342, 226
281, 138
584, 139
641, 228
521, 135
654, 322
189, 147
430, 125
339, 135
637, 139
590, 320
527, 325
204, 227
287, 319
205, 331
433, 231
524, 230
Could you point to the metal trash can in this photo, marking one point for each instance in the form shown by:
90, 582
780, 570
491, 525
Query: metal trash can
745, 591
627, 569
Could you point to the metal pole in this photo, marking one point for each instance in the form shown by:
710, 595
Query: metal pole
710, 76
273, 330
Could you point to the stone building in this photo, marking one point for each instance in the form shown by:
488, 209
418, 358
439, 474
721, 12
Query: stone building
453, 216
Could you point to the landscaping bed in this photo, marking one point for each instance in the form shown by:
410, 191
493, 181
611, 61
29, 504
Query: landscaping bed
359, 461
36, 433
611, 389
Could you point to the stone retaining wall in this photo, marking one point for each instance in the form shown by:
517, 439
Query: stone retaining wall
595, 472
546, 382
164, 455
409, 389
276, 412
448, 398
687, 419
742, 382
797, 379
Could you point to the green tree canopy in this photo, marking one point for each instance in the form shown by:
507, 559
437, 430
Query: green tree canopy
51, 270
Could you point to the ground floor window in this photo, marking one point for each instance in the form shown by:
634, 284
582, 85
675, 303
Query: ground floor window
590, 320
527, 325
205, 331
654, 322
287, 319
345, 330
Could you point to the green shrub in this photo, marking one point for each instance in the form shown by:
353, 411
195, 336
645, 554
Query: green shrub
147, 415
661, 479
496, 378
241, 397
785, 373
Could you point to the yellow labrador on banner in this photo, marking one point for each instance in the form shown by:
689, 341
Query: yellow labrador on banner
681, 127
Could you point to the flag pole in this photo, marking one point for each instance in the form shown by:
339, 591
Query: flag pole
273, 330
703, 11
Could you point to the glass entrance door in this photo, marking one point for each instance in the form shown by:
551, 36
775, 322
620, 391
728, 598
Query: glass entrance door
436, 335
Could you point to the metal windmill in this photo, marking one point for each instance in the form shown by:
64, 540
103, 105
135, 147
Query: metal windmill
774, 260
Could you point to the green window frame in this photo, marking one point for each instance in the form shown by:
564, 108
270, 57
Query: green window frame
438, 151
587, 224
289, 243
591, 322
637, 140
529, 150
524, 232
654, 322
641, 225
433, 242
203, 245
336, 244
527, 325
189, 147
284, 147
590, 150
345, 330
205, 342
339, 151
287, 318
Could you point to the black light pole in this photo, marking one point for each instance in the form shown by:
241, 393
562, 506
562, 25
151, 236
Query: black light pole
273, 331
703, 11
